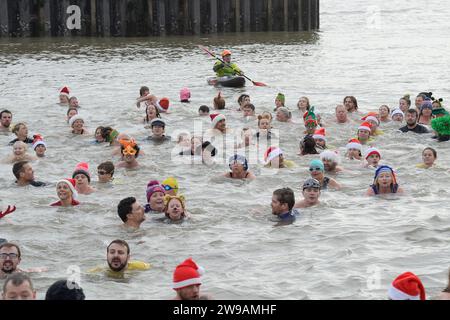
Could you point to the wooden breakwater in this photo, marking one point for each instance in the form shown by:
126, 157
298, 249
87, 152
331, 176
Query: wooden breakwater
129, 18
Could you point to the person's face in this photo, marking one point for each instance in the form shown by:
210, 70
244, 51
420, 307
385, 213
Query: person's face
373, 159
227, 58
329, 165
221, 125
237, 167
436, 105
151, 112
302, 104
427, 112
248, 112
63, 191
311, 194
403, 105
63, 99
384, 112
277, 207
128, 157
19, 149
103, 176
353, 153
6, 119
137, 213
190, 292
349, 105
23, 131
281, 116
316, 173
73, 103
72, 113
310, 127
145, 93
428, 157
374, 125
20, 292
27, 173
117, 257
78, 124
158, 131
264, 124
341, 114
419, 101
363, 134
384, 179
411, 118
320, 142
278, 103
157, 201
81, 179
175, 210
9, 259
98, 135
397, 117
40, 150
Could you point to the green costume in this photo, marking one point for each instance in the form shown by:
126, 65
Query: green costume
222, 70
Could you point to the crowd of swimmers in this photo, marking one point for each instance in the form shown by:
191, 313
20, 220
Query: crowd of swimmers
428, 116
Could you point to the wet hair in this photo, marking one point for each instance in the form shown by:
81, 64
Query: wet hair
308, 145
5, 111
101, 129
125, 207
307, 100
219, 102
407, 99
425, 95
17, 126
60, 291
121, 242
158, 115
285, 111
413, 111
242, 98
106, 131
108, 166
203, 108
18, 168
70, 109
353, 99
285, 195
432, 150
249, 105
11, 245
143, 89
384, 105
17, 279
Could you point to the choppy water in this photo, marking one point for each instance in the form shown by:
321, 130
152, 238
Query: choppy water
335, 251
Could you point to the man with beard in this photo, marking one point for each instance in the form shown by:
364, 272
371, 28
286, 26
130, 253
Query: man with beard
311, 193
131, 212
10, 258
330, 161
23, 171
5, 121
411, 123
118, 258
187, 281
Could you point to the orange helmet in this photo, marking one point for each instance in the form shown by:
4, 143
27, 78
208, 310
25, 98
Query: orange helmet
226, 53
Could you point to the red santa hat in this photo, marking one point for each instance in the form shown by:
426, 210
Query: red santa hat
365, 126
320, 134
82, 168
372, 151
38, 140
186, 274
71, 183
354, 144
163, 104
215, 118
407, 286
371, 116
64, 92
271, 153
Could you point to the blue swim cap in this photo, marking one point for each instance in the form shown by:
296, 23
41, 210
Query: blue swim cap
317, 163
240, 159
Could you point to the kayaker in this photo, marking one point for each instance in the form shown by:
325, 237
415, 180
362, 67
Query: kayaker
226, 68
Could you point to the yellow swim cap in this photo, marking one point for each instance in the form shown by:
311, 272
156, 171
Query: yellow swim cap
170, 183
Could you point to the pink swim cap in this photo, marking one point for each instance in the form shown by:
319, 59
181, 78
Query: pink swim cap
185, 94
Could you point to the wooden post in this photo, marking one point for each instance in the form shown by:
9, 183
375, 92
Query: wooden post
314, 14
269, 16
213, 16
24, 18
150, 17
161, 16
246, 15
4, 21
237, 15
285, 15
106, 20
123, 17
94, 17
196, 18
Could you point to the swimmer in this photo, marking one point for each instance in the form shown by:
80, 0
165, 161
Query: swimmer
144, 95
64, 96
18, 286
264, 127
98, 135
130, 151
175, 208
429, 156
24, 173
310, 121
19, 153
151, 113
185, 95
105, 171
274, 158
242, 101
77, 125
10, 257
5, 120
66, 289
39, 146
83, 178
404, 103
384, 113
239, 168
341, 114
218, 123
248, 111
158, 129
320, 139
303, 105
283, 115
351, 104
219, 102
373, 157
441, 127
70, 113
196, 143
280, 99
67, 194
317, 170
363, 133
110, 135
397, 115
131, 212
170, 185
354, 149
372, 118
187, 281
203, 110
21, 132
155, 197
311, 193
283, 201
73, 102
330, 161
384, 182
307, 146
425, 114
411, 123
406, 286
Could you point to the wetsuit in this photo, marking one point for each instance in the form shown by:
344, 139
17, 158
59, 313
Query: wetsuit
27, 140
325, 182
289, 216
